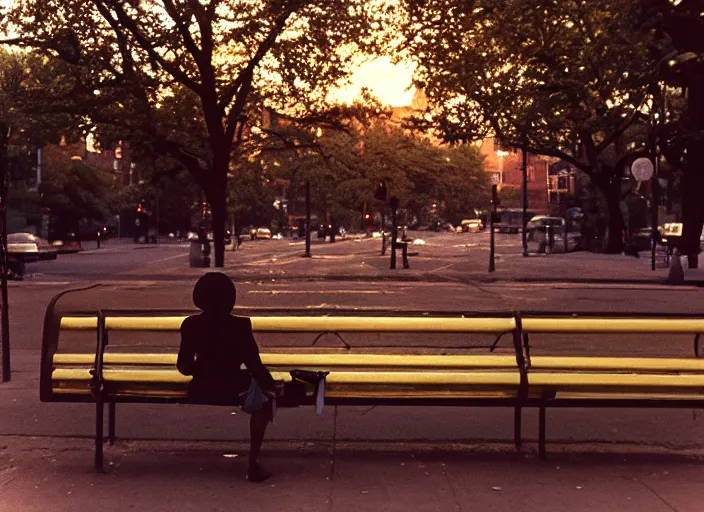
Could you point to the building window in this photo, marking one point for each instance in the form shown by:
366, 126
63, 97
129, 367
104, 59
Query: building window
531, 173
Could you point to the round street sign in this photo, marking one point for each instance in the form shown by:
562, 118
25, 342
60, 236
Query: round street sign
642, 169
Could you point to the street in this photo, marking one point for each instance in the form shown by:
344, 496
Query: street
447, 273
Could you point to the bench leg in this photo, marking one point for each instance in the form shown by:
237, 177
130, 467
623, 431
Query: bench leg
517, 427
99, 436
541, 433
111, 423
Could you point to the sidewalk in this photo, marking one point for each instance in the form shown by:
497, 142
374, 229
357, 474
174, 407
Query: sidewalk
350, 459
56, 475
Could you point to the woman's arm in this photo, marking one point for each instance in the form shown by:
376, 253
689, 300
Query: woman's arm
250, 356
187, 353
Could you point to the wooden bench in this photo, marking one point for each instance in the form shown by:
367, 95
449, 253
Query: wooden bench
356, 378
579, 381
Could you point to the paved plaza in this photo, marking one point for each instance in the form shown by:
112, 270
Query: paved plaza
355, 458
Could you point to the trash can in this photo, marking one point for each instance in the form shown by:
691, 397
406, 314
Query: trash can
198, 257
16, 268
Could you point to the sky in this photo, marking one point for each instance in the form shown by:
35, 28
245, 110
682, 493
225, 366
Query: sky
389, 82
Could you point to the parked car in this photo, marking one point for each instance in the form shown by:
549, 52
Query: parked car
29, 248
263, 234
511, 220
537, 229
472, 225
192, 236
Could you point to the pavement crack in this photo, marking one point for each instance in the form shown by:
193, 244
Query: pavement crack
654, 493
446, 474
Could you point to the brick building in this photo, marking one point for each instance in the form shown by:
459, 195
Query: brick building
505, 168
117, 162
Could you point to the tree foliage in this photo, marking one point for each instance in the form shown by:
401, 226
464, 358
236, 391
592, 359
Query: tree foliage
73, 190
565, 79
345, 168
224, 60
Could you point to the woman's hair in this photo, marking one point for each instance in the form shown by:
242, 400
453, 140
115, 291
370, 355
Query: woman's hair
215, 293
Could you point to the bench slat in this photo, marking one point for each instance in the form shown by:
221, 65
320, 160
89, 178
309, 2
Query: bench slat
629, 364
633, 364
629, 396
309, 324
164, 376
313, 360
593, 325
614, 381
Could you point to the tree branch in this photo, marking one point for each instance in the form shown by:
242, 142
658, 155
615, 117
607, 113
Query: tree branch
182, 28
617, 132
245, 76
176, 72
545, 151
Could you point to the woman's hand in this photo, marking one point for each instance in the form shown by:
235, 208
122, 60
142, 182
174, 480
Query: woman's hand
278, 390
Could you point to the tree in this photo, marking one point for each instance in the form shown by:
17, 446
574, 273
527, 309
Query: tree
73, 191
563, 79
24, 79
346, 167
677, 29
225, 58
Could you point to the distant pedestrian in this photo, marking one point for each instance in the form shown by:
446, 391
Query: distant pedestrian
214, 346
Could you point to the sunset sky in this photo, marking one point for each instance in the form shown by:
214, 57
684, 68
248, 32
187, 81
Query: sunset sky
391, 83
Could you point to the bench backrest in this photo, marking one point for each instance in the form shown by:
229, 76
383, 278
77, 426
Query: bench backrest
296, 321
520, 325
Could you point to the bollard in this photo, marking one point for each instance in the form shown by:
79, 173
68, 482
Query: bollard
404, 253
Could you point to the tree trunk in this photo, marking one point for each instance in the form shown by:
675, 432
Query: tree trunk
216, 198
693, 176
611, 189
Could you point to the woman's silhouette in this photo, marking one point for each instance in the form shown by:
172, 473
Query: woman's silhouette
214, 346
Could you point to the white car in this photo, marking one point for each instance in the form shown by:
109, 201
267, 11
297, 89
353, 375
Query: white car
28, 248
472, 225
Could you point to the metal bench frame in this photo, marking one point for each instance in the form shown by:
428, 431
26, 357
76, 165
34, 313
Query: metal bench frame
525, 323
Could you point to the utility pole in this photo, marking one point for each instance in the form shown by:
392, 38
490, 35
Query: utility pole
383, 233
654, 182
4, 309
307, 254
524, 199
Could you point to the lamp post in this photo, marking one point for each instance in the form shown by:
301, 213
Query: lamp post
307, 254
524, 198
394, 205
654, 183
492, 213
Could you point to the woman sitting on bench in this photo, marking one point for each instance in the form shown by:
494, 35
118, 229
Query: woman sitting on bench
214, 346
